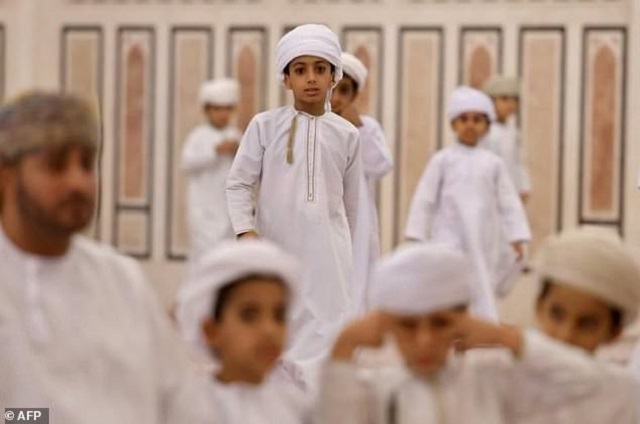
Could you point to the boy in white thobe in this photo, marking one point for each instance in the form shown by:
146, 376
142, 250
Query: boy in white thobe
376, 158
423, 319
206, 158
306, 162
235, 311
465, 199
504, 138
82, 332
589, 292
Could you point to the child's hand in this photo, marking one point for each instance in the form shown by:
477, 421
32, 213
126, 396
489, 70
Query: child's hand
350, 113
227, 148
518, 248
477, 333
368, 331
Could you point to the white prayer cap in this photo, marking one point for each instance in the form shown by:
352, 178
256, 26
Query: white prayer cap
596, 262
467, 99
231, 261
421, 278
220, 92
309, 40
501, 85
353, 67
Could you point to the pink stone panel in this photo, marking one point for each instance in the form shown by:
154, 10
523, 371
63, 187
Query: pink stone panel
419, 101
541, 114
602, 128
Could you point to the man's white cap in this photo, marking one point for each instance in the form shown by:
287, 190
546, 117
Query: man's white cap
596, 262
353, 67
467, 99
501, 85
309, 40
231, 261
220, 92
421, 278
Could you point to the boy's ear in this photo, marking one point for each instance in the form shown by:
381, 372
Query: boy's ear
210, 331
287, 82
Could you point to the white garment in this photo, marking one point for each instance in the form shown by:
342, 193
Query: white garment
634, 366
84, 335
466, 200
485, 386
239, 403
207, 171
376, 163
310, 209
615, 401
504, 140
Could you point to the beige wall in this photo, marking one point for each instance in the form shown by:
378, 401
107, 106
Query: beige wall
142, 63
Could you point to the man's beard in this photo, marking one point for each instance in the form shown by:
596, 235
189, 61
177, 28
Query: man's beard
44, 218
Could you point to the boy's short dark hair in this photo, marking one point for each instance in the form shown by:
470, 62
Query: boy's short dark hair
287, 71
616, 313
354, 83
227, 290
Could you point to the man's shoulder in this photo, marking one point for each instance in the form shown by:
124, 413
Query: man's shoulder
102, 256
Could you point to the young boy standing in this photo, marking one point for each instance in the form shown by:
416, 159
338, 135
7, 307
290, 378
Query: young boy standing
589, 292
504, 137
306, 162
465, 199
206, 158
376, 157
419, 295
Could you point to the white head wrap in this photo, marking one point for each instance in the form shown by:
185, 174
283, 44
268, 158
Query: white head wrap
309, 40
421, 278
502, 86
467, 99
231, 261
596, 262
353, 67
220, 92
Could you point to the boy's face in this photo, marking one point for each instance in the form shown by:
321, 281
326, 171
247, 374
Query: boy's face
54, 189
310, 78
218, 116
575, 317
505, 106
470, 127
343, 95
426, 340
251, 333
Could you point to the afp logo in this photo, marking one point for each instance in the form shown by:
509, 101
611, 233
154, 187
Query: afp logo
26, 416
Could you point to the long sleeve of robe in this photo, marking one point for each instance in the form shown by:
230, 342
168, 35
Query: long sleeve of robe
376, 162
485, 386
84, 336
465, 200
206, 173
310, 208
504, 140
